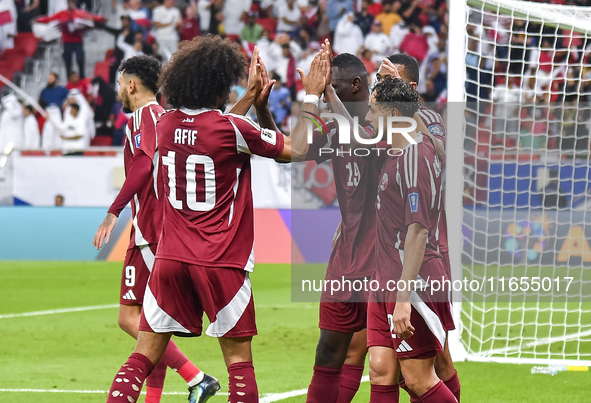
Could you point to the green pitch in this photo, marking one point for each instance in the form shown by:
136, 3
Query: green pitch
81, 351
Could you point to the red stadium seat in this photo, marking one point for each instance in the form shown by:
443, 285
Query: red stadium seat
55, 153
109, 54
233, 37
26, 42
101, 141
268, 24
15, 57
33, 153
103, 69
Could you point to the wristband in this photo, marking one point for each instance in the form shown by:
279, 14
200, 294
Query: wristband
312, 99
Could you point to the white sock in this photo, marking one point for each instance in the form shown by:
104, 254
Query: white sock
198, 378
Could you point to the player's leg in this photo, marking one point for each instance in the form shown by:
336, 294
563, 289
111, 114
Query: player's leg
383, 365
238, 359
420, 377
331, 353
139, 262
131, 376
352, 369
383, 375
445, 370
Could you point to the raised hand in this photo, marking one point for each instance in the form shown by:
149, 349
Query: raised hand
255, 76
315, 81
387, 69
328, 51
263, 97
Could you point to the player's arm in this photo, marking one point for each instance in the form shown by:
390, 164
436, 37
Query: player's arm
438, 143
296, 146
254, 87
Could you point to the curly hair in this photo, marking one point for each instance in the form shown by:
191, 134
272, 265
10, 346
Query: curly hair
395, 93
146, 68
202, 72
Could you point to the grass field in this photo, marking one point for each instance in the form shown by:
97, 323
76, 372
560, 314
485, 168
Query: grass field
81, 350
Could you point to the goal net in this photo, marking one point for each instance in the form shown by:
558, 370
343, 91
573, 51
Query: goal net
524, 75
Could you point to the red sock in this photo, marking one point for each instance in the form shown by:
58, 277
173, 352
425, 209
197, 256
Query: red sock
174, 358
384, 394
324, 386
349, 382
413, 397
129, 379
155, 383
438, 394
243, 385
453, 384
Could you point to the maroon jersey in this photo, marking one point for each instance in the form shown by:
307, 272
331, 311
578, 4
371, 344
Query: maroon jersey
434, 123
356, 181
409, 192
145, 207
205, 177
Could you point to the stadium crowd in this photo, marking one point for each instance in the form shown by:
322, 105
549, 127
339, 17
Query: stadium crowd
287, 32
529, 87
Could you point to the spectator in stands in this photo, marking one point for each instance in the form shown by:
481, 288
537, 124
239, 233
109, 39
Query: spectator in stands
74, 131
167, 21
289, 18
335, 9
389, 16
204, 13
27, 11
59, 201
190, 24
435, 66
410, 10
234, 15
363, 19
415, 43
378, 42
75, 83
284, 54
53, 94
131, 50
140, 16
8, 16
232, 99
506, 96
308, 56
55, 6
50, 139
348, 37
366, 56
252, 31
73, 23
11, 123
118, 121
32, 137
216, 21
103, 99
430, 94
279, 100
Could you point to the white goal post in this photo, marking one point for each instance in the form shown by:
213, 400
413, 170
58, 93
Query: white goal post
518, 174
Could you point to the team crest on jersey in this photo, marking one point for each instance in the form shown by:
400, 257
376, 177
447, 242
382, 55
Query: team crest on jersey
435, 130
137, 139
270, 136
384, 182
413, 200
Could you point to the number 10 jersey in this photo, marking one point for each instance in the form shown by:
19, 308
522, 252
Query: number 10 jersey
204, 175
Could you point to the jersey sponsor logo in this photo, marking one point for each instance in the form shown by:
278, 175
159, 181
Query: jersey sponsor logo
384, 182
270, 136
130, 296
137, 139
435, 130
413, 200
188, 120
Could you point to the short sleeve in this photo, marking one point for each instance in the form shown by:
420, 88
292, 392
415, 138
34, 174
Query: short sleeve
145, 140
418, 185
252, 139
434, 123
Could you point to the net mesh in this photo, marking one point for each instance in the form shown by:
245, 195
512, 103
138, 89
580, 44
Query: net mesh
526, 182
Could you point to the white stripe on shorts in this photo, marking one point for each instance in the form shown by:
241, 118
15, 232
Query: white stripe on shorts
229, 315
148, 256
159, 321
430, 317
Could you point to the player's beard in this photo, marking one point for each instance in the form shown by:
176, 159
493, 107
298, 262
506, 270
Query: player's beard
126, 103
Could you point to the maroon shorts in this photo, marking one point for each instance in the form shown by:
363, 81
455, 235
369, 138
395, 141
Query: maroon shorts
429, 336
344, 310
178, 293
137, 266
